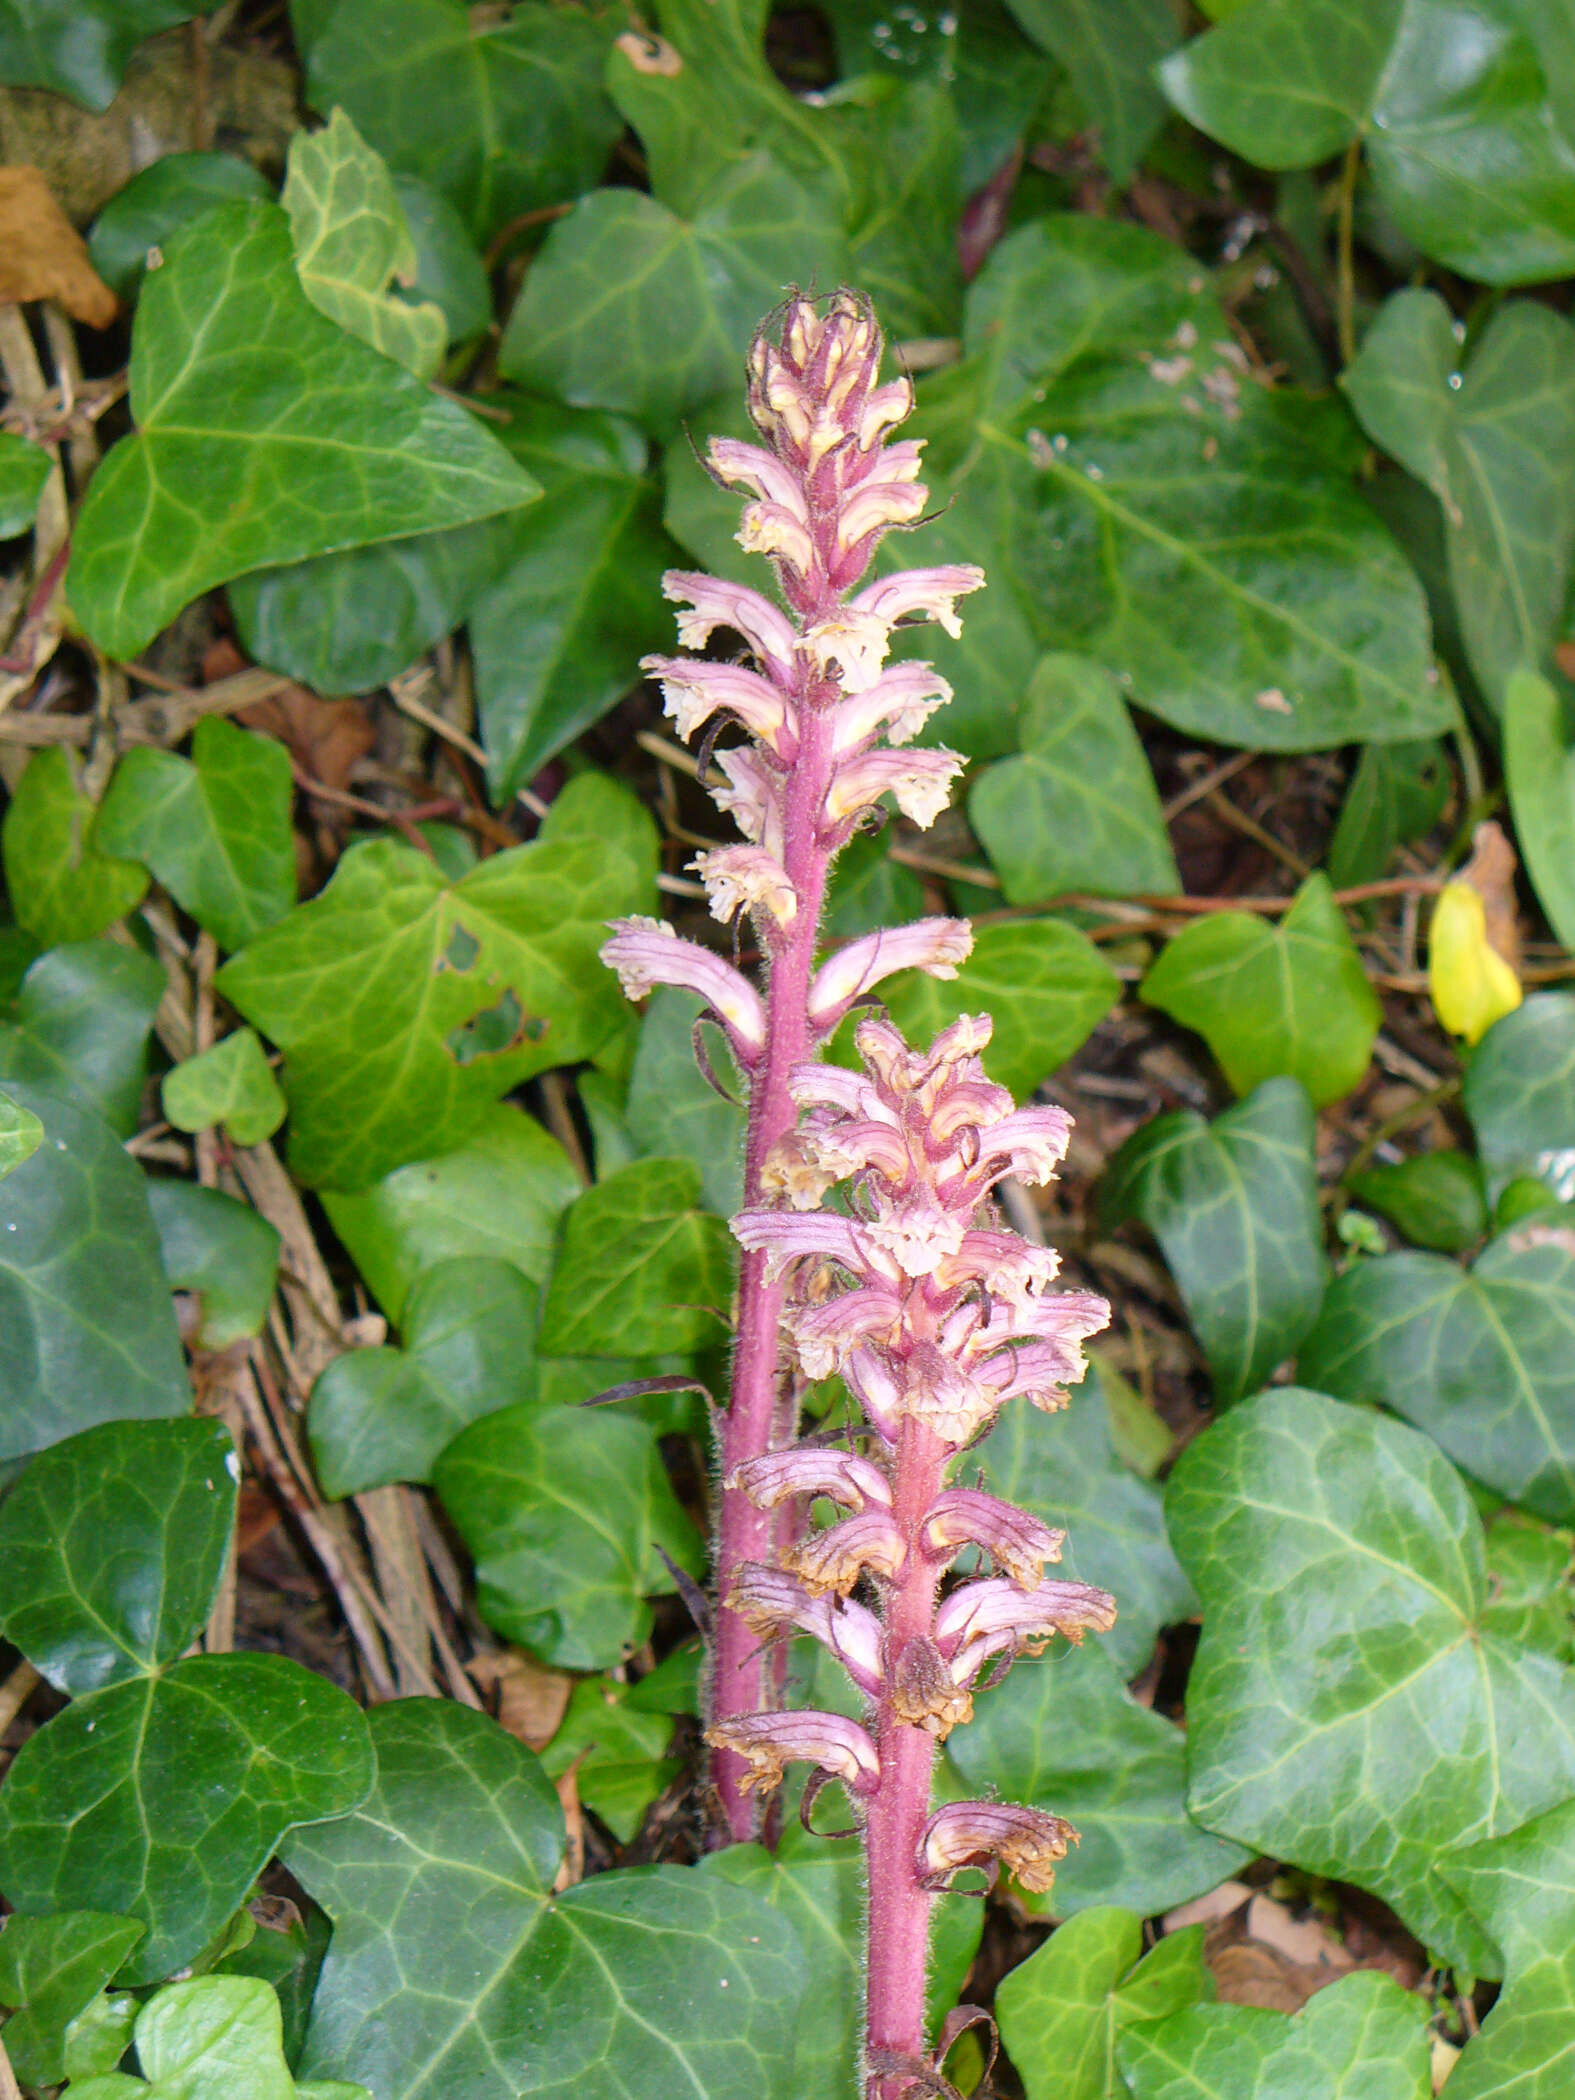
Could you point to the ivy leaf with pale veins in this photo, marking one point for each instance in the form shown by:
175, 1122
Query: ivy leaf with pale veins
1289, 998
642, 1270
1061, 2010
51, 1969
79, 1027
406, 1004
645, 1980
1063, 1734
1078, 809
222, 1251
214, 828
220, 478
157, 201
1492, 435
61, 887
1352, 1708
1439, 96
1234, 1206
1519, 1092
352, 245
1482, 1358
1522, 1888
469, 1331
232, 1083
87, 1333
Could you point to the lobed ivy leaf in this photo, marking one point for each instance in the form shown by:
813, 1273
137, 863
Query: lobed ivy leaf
1360, 2038
221, 1250
1064, 1735
1078, 809
1234, 1206
62, 888
212, 2038
1519, 1092
1352, 1708
24, 469
222, 476
232, 1083
81, 50
1522, 1888
572, 1523
646, 1980
1062, 2009
86, 1329
1438, 96
642, 1270
79, 1027
156, 203
406, 1004
378, 1415
1111, 50
52, 1969
1436, 1199
1285, 999
1540, 769
1481, 1358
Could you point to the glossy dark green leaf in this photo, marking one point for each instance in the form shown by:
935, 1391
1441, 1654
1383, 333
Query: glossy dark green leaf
449, 268
214, 828
1111, 49
1397, 793
1540, 766
1453, 107
1522, 1888
232, 1084
212, 2038
500, 1194
563, 1510
631, 308
156, 203
24, 468
1287, 997
1363, 2038
1351, 1708
81, 49
87, 1333
1063, 1734
503, 116
468, 1329
673, 1110
1489, 434
51, 1969
618, 1753
559, 631
221, 1250
62, 888
1078, 810
1234, 1206
79, 1027
1520, 1095
1436, 1199
1483, 1358
1064, 1468
641, 1269
21, 1134
111, 1548
1061, 2010
221, 477
901, 166
648, 1981
406, 1004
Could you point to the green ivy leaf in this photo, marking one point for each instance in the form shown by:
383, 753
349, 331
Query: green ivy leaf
617, 1753
1362, 2038
1351, 1708
500, 1194
1078, 810
1061, 2010
21, 1134
1284, 999
1522, 1888
377, 1415
1064, 1735
672, 1107
87, 1333
1520, 1095
24, 468
81, 50
1396, 794
631, 308
1540, 768
613, 1987
352, 245
51, 1969
156, 203
1436, 1199
212, 2038
220, 479
223, 1251
642, 1270
449, 268
563, 1510
1111, 49
1483, 1358
1234, 1206
504, 117
232, 1084
406, 1004
79, 1027
1529, 1571
899, 159
1436, 96
61, 887
1488, 440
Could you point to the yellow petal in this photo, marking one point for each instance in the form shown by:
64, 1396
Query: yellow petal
1471, 984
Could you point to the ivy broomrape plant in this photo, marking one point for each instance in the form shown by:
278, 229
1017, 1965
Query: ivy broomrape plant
932, 1314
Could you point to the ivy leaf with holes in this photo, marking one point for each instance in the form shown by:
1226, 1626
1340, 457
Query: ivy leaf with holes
1288, 999
642, 1270
1352, 1707
79, 1027
62, 888
162, 1789
1234, 1206
232, 1083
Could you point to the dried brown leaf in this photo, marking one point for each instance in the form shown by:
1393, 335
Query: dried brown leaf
528, 1698
42, 256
